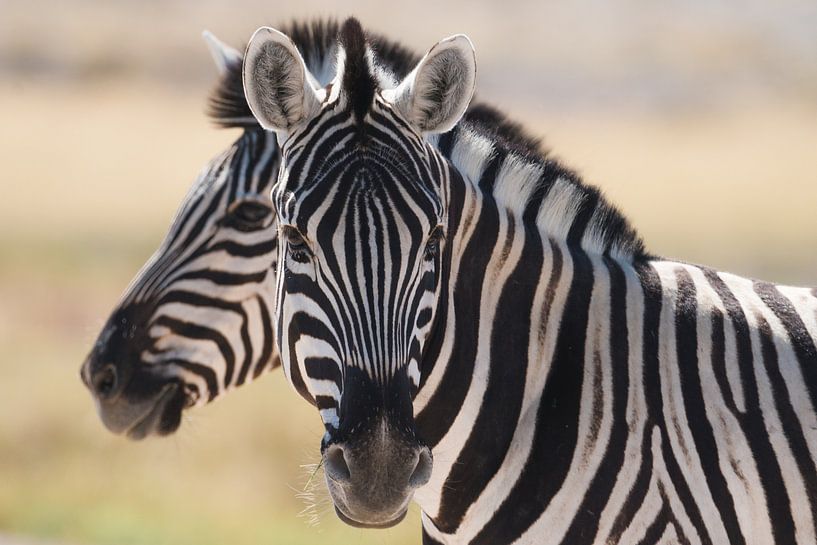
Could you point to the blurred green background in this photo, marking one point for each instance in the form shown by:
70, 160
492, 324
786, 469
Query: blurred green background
698, 118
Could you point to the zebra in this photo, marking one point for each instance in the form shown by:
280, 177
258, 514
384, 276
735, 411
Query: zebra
483, 332
195, 322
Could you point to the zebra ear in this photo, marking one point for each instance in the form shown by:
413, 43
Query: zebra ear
224, 56
435, 95
276, 82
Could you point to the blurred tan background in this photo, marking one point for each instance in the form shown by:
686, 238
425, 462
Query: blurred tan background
698, 118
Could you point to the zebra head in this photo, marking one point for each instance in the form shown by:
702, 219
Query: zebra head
361, 204
196, 321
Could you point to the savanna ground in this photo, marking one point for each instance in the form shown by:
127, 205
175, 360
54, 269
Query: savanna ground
90, 175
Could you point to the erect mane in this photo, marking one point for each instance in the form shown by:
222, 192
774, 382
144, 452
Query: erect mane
317, 41
358, 82
498, 156
524, 176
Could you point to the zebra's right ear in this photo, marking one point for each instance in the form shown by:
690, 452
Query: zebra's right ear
276, 82
435, 95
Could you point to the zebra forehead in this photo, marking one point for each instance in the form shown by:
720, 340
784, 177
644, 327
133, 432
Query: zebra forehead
371, 205
377, 175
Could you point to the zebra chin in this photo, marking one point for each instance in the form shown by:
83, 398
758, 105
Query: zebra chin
146, 406
370, 525
134, 397
158, 416
135, 400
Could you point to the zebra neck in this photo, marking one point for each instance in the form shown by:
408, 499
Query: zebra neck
616, 370
524, 319
550, 345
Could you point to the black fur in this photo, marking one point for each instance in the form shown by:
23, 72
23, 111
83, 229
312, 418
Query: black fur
359, 84
227, 105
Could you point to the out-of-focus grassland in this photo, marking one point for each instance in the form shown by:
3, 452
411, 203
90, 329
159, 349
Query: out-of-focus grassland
90, 174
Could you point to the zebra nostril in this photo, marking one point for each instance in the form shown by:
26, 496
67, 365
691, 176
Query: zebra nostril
104, 382
422, 471
335, 465
191, 395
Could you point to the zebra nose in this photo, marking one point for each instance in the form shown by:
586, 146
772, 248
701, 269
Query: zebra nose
422, 471
336, 466
105, 382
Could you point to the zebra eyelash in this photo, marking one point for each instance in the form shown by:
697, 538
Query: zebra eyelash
297, 247
432, 248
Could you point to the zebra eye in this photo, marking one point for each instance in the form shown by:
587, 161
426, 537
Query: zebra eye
297, 248
433, 243
249, 215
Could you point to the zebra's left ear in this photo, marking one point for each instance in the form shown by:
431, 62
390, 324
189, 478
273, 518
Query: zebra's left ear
224, 56
435, 95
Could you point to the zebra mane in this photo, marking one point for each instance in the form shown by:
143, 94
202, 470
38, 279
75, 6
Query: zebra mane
524, 177
498, 156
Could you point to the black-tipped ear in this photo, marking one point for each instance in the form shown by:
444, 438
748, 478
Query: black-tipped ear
276, 84
224, 56
435, 95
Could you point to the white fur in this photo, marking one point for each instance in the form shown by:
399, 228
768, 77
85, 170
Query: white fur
516, 182
559, 209
471, 154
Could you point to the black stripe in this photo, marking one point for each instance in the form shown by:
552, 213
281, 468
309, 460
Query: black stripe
200, 300
686, 323
718, 359
585, 523
205, 216
752, 421
447, 140
266, 349
663, 521
435, 420
223, 278
248, 353
196, 331
582, 219
557, 418
678, 480
792, 428
653, 302
237, 249
323, 369
485, 450
638, 491
323, 402
801, 341
659, 524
